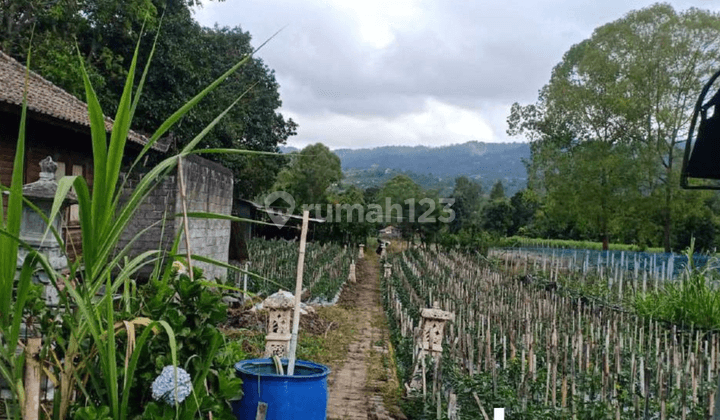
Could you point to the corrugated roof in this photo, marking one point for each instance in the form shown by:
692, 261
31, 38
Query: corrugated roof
47, 99
280, 212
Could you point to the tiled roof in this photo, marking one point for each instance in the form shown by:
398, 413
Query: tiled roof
47, 99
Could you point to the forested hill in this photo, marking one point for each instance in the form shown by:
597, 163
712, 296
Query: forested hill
486, 162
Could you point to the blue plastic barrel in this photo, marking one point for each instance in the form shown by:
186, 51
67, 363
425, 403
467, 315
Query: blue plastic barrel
301, 396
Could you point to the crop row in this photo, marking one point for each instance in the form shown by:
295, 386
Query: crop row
543, 354
326, 268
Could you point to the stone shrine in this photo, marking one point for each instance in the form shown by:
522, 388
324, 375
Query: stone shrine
280, 308
388, 270
34, 231
430, 340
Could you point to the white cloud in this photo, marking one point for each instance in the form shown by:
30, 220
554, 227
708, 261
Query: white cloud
380, 72
379, 20
435, 124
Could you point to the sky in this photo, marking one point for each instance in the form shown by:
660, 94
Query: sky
369, 73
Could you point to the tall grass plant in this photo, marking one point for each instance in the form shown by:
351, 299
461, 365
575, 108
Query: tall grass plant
94, 322
693, 300
16, 289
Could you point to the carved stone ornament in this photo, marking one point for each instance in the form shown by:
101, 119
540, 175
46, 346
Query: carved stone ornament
388, 270
48, 168
34, 229
434, 320
280, 308
430, 341
45, 187
352, 278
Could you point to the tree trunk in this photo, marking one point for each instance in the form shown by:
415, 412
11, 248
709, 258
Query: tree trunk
666, 233
606, 242
667, 218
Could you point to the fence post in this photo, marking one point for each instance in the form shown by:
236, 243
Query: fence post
245, 279
716, 412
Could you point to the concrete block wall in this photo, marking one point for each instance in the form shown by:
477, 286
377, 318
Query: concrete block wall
209, 188
149, 215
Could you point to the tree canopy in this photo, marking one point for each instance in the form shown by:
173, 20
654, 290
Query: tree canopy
187, 58
498, 191
606, 129
468, 201
309, 174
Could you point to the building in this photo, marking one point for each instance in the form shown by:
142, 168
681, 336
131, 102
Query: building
58, 126
274, 223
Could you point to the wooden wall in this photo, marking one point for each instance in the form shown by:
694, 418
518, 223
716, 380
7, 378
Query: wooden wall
71, 148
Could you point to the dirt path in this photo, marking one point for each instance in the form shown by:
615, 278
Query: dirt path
356, 389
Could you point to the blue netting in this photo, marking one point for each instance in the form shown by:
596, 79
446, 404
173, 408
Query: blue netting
641, 261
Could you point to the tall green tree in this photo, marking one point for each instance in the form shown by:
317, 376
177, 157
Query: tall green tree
309, 174
632, 86
497, 217
401, 200
525, 204
468, 204
666, 57
497, 192
347, 223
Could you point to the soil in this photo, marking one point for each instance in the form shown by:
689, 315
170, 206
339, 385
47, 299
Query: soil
362, 383
356, 389
311, 322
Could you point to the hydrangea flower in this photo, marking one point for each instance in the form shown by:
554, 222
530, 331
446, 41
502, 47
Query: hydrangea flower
163, 389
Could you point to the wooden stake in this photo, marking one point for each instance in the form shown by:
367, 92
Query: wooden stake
424, 371
261, 412
298, 293
716, 406
183, 200
245, 278
482, 409
32, 379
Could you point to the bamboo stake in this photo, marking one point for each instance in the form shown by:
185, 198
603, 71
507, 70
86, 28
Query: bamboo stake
32, 379
298, 293
482, 409
183, 200
245, 279
716, 406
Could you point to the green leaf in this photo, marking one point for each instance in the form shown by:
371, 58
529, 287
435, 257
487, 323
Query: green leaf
100, 157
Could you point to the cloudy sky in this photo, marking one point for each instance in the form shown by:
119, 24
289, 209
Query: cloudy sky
369, 73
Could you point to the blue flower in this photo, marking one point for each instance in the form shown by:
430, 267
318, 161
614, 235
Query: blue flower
163, 389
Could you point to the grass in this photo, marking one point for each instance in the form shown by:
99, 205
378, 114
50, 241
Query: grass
381, 371
517, 241
694, 300
329, 348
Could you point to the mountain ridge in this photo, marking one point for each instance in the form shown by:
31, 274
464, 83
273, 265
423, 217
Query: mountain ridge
484, 162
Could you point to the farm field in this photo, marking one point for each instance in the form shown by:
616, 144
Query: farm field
459, 212
327, 268
522, 339
350, 336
